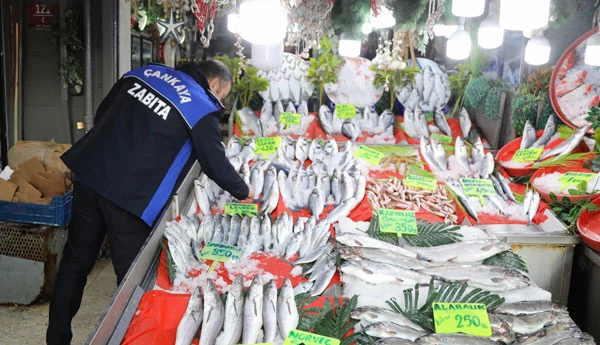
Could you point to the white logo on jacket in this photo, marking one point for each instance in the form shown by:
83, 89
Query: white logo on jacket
182, 90
150, 100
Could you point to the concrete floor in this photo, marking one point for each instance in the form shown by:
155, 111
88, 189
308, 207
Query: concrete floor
26, 325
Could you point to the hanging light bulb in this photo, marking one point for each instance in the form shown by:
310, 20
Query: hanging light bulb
267, 56
233, 22
262, 21
366, 28
511, 15
384, 20
458, 46
444, 30
537, 13
468, 8
349, 48
537, 50
592, 50
490, 35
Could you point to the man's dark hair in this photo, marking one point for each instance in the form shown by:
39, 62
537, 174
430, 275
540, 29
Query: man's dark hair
209, 69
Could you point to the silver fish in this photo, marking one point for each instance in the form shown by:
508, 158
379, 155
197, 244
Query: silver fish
477, 152
294, 245
505, 186
257, 180
439, 154
387, 329
465, 123
245, 231
289, 148
233, 146
487, 166
376, 314
529, 136
466, 251
427, 153
271, 200
454, 339
302, 145
191, 320
394, 341
549, 131
380, 273
568, 145
460, 152
250, 120
381, 255
226, 222
421, 125
235, 230
491, 278
270, 178
303, 108
533, 206
326, 120
315, 151
351, 130
323, 281
336, 186
330, 147
253, 312
265, 232
234, 313
277, 110
527, 201
266, 113
441, 122
529, 307
287, 312
214, 314
386, 119
342, 210
348, 186
218, 234
290, 108
208, 226
270, 311
408, 123
201, 197
358, 240
315, 202
498, 187
528, 324
501, 330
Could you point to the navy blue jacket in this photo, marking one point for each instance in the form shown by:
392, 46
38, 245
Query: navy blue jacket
148, 131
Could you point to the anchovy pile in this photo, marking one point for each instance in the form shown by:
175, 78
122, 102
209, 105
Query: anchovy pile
263, 315
530, 139
415, 123
395, 194
368, 120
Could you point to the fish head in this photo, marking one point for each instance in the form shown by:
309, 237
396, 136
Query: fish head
267, 108
250, 143
278, 106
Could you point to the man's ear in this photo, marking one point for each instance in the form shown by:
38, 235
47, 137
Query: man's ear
214, 84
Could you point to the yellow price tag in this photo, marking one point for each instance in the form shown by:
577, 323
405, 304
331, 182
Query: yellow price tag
290, 118
422, 182
527, 155
345, 111
574, 178
296, 337
397, 221
478, 187
232, 208
441, 138
220, 252
467, 318
268, 145
368, 155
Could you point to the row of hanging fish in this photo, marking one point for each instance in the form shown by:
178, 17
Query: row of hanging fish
288, 81
268, 123
365, 121
530, 139
430, 88
260, 315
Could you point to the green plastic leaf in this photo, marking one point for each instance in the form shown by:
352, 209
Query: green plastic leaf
507, 259
434, 234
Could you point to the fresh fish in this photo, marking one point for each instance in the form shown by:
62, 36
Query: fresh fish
528, 324
257, 180
290, 108
342, 210
235, 230
330, 147
527, 201
421, 125
466, 251
387, 329
491, 278
336, 186
269, 311
326, 120
201, 197
498, 187
289, 148
272, 199
568, 145
233, 146
439, 154
315, 151
303, 287
441, 122
234, 313
348, 186
250, 120
533, 206
226, 223
386, 119
477, 152
219, 233
427, 153
460, 152
529, 136
214, 314
364, 241
487, 166
454, 339
266, 113
245, 231
408, 123
394, 341
191, 320
381, 255
322, 281
377, 314
302, 145
549, 131
505, 186
294, 245
351, 130
253, 312
277, 110
529, 307
315, 202
380, 273
287, 312
324, 186
303, 108
501, 331
465, 123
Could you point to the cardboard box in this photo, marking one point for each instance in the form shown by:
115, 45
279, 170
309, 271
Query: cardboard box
47, 152
7, 190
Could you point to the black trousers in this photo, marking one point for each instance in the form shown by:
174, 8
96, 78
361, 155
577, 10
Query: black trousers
92, 218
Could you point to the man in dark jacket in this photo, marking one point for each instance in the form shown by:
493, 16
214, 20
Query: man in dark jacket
149, 130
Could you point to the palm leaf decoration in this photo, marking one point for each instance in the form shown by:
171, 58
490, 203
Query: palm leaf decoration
309, 316
507, 259
336, 322
446, 292
171, 268
374, 232
433, 234
569, 160
522, 179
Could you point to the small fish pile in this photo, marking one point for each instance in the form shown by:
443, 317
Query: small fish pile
368, 121
288, 81
431, 87
270, 118
265, 184
480, 164
395, 194
415, 123
263, 315
400, 163
530, 139
323, 155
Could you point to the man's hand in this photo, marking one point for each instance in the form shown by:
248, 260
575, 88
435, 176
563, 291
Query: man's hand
250, 192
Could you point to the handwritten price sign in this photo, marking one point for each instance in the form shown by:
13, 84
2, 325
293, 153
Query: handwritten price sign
266, 146
397, 221
296, 337
290, 118
232, 208
468, 318
441, 138
574, 178
478, 187
527, 155
345, 111
422, 182
368, 155
220, 252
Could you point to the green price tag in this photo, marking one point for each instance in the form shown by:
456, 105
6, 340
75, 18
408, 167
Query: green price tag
573, 178
478, 187
468, 318
422, 182
267, 145
296, 337
220, 252
368, 155
527, 155
397, 221
396, 150
345, 111
290, 118
232, 208
441, 138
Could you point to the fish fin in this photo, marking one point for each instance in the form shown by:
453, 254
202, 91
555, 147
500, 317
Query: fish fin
488, 247
368, 271
399, 280
255, 308
453, 259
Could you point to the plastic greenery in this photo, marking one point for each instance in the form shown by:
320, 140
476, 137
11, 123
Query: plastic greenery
476, 91
569, 211
446, 292
348, 16
507, 259
393, 79
492, 101
309, 316
524, 107
325, 68
433, 234
466, 72
570, 160
248, 84
336, 321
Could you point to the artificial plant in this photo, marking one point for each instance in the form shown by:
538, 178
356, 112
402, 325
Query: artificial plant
246, 83
526, 101
392, 79
325, 68
465, 73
